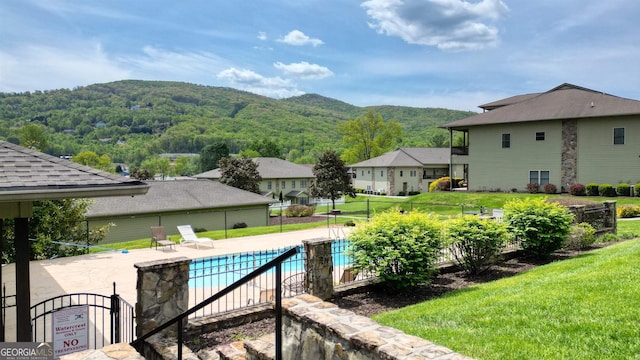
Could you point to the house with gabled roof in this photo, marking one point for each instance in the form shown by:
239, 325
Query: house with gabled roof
278, 177
403, 171
202, 204
564, 136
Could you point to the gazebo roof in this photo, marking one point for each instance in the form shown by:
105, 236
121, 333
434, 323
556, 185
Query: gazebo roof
29, 175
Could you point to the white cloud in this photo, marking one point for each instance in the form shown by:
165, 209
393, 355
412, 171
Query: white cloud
42, 67
157, 63
253, 82
298, 38
304, 70
262, 35
447, 24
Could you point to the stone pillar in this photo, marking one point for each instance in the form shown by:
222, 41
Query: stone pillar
162, 293
319, 267
611, 219
578, 212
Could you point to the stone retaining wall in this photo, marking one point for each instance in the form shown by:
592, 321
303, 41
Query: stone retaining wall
603, 218
315, 329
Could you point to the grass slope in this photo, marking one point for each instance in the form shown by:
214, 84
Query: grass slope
582, 308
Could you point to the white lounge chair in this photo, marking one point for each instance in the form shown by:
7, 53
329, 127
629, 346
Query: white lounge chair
189, 236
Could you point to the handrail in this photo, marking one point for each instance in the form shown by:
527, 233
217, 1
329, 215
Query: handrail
277, 261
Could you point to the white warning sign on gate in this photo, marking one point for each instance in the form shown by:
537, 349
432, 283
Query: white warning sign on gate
70, 330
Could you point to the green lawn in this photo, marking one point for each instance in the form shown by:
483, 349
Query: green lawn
583, 308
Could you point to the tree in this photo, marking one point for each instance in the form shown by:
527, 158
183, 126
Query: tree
211, 155
185, 165
90, 158
332, 180
33, 137
140, 174
241, 173
439, 140
157, 165
368, 136
54, 222
266, 148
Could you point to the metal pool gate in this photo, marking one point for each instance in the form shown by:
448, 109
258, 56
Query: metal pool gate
111, 318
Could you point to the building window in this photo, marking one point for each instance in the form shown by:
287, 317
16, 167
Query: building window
506, 141
400, 173
303, 184
363, 173
381, 173
268, 185
618, 136
413, 173
284, 184
293, 184
540, 136
540, 177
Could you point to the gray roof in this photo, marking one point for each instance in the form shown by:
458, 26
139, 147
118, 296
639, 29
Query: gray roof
28, 175
270, 168
563, 102
408, 157
177, 195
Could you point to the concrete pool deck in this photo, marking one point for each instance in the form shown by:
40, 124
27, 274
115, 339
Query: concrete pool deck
96, 273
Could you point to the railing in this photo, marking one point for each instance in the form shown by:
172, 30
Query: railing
460, 150
277, 263
209, 275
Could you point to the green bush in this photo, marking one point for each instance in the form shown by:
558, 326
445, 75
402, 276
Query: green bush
628, 211
401, 249
239, 225
592, 189
474, 242
298, 211
540, 226
636, 188
623, 190
349, 223
581, 237
606, 190
437, 186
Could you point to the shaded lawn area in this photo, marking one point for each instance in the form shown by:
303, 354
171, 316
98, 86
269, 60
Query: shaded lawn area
587, 307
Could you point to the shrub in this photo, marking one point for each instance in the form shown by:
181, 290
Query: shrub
606, 190
298, 211
577, 190
349, 223
444, 185
581, 237
540, 226
550, 189
401, 249
239, 225
411, 193
436, 184
199, 229
628, 211
474, 242
637, 189
402, 193
592, 189
623, 190
533, 188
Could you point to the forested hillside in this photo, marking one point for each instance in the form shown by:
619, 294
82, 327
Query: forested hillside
133, 120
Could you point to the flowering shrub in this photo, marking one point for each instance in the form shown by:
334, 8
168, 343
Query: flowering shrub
533, 188
577, 190
436, 184
628, 211
298, 211
550, 189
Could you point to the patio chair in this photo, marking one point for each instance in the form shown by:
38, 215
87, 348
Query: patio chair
189, 236
158, 237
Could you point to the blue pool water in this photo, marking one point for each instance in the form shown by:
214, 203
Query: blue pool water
227, 269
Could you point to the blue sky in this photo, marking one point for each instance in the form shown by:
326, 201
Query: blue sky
424, 53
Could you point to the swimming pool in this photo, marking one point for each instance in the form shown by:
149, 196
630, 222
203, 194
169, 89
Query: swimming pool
220, 271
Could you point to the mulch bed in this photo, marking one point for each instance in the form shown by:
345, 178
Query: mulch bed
374, 300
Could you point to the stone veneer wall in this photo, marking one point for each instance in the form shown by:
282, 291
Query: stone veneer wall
162, 293
603, 218
318, 330
569, 155
318, 280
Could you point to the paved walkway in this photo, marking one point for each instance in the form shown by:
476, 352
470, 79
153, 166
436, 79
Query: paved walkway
96, 273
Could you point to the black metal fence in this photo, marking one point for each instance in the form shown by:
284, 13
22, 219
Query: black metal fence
208, 276
111, 318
